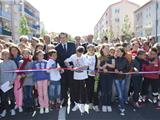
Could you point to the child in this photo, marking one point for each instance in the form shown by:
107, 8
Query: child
79, 62
137, 78
92, 58
7, 65
41, 80
151, 79
121, 66
26, 80
106, 63
18, 92
54, 87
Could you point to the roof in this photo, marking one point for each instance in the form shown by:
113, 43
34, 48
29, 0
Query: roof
143, 5
116, 4
29, 4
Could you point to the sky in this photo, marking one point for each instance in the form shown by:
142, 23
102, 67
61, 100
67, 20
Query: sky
76, 17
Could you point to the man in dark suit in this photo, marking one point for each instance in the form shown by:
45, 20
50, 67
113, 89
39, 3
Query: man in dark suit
64, 50
89, 41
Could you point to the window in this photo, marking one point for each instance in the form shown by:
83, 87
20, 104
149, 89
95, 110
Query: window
116, 19
117, 10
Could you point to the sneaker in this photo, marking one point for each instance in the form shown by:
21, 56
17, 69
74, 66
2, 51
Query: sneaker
154, 100
137, 105
75, 108
86, 107
46, 110
3, 114
122, 112
13, 113
82, 108
104, 108
41, 111
95, 108
20, 109
109, 108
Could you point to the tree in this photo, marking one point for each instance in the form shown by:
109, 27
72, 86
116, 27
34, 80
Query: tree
110, 33
23, 27
126, 32
42, 30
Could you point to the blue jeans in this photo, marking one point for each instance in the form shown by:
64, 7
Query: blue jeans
54, 90
127, 85
28, 96
106, 82
120, 87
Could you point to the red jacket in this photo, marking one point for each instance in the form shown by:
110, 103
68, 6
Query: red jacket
151, 67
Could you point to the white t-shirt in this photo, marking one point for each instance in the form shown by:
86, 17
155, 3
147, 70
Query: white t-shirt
92, 62
79, 62
54, 74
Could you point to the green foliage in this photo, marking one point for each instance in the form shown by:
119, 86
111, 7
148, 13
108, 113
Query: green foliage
42, 30
110, 34
23, 27
126, 32
70, 38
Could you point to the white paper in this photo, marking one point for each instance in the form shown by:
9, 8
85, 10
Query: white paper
6, 86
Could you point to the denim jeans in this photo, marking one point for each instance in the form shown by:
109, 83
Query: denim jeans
54, 90
127, 85
106, 82
28, 96
120, 87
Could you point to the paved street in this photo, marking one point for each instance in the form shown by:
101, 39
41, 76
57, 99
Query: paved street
148, 112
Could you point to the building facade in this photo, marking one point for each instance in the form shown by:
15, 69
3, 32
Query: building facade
113, 18
5, 20
10, 16
22, 7
147, 20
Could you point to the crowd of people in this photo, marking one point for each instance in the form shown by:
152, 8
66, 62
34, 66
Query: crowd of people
90, 75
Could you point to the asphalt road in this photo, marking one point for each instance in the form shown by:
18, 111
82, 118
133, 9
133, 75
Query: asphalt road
148, 112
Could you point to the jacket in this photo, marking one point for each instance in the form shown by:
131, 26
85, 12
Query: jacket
8, 65
123, 65
40, 75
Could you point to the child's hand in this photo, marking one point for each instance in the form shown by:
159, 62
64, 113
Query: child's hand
62, 71
100, 68
93, 72
19, 76
105, 70
11, 83
116, 71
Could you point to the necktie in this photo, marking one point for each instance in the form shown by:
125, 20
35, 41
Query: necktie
64, 47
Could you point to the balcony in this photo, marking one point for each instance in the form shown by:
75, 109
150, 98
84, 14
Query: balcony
6, 15
28, 12
5, 32
36, 27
